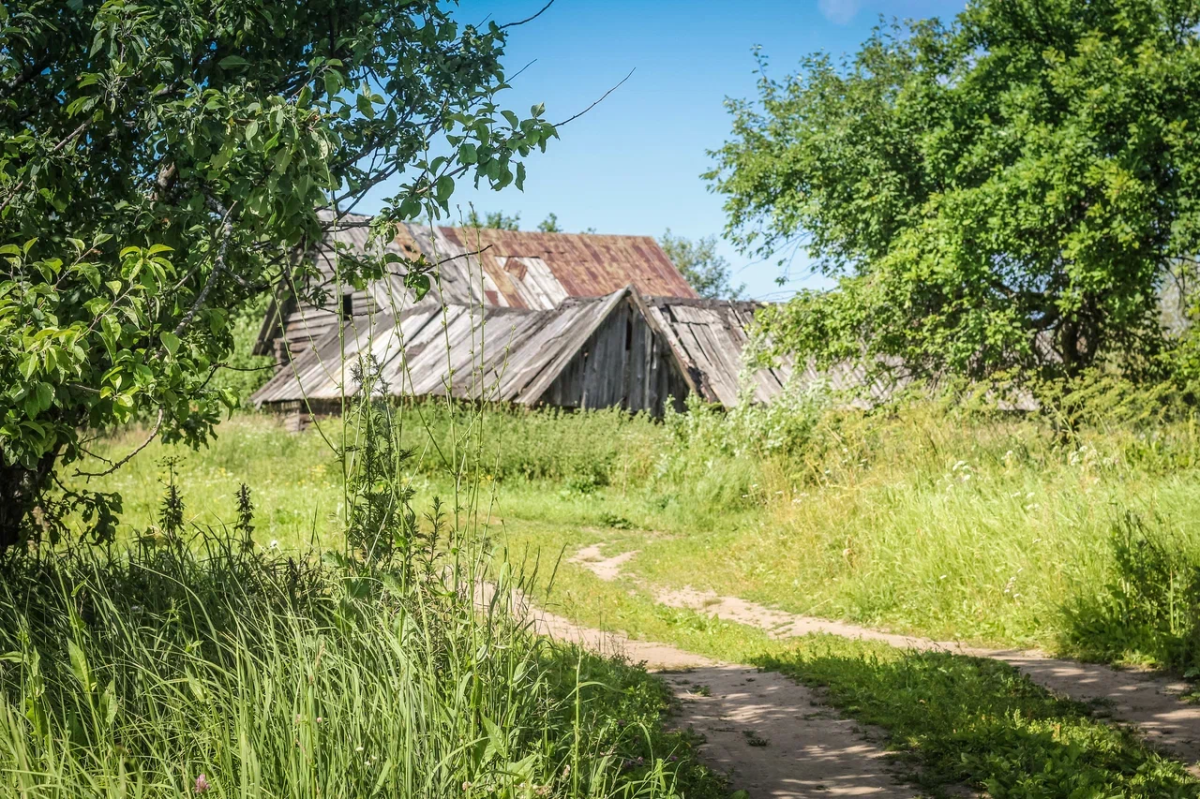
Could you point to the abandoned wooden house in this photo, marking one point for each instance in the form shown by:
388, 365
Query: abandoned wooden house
567, 320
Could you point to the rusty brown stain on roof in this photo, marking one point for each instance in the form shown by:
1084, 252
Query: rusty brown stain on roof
584, 264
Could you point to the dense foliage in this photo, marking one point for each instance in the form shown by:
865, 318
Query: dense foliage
162, 162
1008, 191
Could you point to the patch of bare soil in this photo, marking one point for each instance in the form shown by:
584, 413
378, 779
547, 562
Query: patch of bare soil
607, 569
775, 739
771, 735
1151, 703
780, 624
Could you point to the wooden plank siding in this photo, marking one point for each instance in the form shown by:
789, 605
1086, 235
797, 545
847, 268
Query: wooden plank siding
470, 267
592, 353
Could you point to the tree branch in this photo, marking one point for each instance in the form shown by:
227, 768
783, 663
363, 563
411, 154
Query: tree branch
218, 266
129, 457
527, 19
602, 98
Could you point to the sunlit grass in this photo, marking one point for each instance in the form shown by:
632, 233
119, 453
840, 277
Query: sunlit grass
224, 671
926, 520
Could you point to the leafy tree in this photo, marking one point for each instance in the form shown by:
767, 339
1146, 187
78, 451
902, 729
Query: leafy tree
494, 220
164, 161
1006, 192
705, 271
498, 220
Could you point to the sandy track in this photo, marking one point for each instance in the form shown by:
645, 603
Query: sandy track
1147, 701
775, 739
771, 735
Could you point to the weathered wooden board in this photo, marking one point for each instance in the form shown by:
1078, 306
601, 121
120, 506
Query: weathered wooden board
614, 351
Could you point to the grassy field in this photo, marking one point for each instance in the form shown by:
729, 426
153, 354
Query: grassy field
218, 670
1076, 533
931, 519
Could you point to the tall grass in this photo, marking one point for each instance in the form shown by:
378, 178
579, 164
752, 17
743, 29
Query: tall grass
172, 670
936, 514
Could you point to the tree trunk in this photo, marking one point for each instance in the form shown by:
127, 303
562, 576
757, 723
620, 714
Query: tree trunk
20, 490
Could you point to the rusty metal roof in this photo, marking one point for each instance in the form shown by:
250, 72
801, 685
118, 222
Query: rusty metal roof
483, 267
538, 270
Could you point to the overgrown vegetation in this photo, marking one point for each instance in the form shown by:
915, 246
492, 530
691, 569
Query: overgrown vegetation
213, 667
934, 515
395, 660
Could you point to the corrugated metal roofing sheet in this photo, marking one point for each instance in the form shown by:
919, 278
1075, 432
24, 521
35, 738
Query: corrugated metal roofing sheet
538, 270
511, 268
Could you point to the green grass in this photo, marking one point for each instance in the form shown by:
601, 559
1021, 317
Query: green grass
960, 720
929, 519
954, 720
133, 674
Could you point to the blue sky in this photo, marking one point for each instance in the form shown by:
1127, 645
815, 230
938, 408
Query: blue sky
632, 165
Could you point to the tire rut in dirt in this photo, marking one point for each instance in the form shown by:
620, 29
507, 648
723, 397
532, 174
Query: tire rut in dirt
776, 739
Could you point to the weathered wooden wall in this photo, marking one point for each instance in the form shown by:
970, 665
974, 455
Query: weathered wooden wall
624, 364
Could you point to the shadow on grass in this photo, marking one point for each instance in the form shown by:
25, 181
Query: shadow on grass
960, 720
1149, 612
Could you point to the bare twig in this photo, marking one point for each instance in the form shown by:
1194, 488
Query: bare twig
602, 98
130, 456
527, 19
216, 367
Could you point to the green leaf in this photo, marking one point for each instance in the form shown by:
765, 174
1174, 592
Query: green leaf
333, 82
45, 396
468, 153
170, 341
418, 283
365, 107
29, 365
410, 208
445, 187
231, 61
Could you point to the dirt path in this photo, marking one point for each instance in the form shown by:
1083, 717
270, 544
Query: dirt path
1149, 702
775, 739
771, 735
